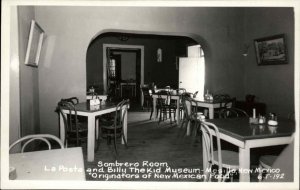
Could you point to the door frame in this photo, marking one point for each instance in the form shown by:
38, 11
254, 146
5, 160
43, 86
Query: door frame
121, 46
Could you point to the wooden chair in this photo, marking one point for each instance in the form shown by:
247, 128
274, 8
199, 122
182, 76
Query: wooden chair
222, 158
225, 102
181, 92
267, 161
193, 116
147, 97
74, 130
164, 107
113, 129
232, 113
73, 100
42, 137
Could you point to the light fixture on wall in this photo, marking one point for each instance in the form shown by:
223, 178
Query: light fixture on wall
159, 55
123, 38
245, 51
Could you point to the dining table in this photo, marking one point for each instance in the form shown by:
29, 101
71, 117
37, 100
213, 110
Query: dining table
201, 102
92, 112
246, 136
211, 105
55, 164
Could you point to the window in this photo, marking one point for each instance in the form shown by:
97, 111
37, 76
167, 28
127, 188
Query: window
112, 68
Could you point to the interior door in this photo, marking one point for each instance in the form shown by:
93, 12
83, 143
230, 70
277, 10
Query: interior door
191, 75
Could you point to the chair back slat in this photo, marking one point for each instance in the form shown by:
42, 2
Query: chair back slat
37, 138
74, 129
192, 114
163, 101
209, 130
31, 138
121, 111
232, 113
73, 100
71, 123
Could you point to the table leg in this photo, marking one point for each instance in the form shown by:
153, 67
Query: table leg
188, 127
178, 111
97, 128
124, 126
62, 129
211, 113
244, 162
91, 139
154, 108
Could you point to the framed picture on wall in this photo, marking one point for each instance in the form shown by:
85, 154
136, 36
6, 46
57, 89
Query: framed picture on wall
35, 41
271, 50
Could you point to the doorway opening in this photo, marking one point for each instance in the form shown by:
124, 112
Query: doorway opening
159, 61
123, 70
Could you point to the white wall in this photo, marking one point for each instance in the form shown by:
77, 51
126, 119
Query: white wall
14, 86
29, 77
272, 84
69, 31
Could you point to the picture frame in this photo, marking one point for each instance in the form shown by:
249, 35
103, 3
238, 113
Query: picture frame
271, 50
34, 46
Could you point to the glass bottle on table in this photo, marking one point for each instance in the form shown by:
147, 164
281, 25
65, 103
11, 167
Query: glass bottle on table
206, 96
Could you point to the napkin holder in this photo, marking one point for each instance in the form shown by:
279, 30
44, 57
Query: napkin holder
94, 107
93, 102
253, 120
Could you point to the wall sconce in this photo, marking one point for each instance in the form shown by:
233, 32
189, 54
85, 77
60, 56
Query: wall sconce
159, 55
123, 38
246, 48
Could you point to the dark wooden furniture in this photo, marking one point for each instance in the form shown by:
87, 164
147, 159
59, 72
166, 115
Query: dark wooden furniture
165, 107
176, 97
92, 113
147, 99
75, 131
232, 113
248, 106
113, 129
191, 116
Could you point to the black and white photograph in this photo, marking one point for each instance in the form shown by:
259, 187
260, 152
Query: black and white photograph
150, 95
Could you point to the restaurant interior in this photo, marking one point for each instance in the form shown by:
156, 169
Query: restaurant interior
155, 94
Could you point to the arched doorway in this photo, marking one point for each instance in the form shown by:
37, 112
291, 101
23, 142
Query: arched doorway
162, 73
